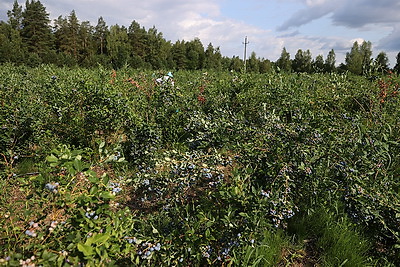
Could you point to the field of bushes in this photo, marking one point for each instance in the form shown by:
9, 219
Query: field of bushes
131, 168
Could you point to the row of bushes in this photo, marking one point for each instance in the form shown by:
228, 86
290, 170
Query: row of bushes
264, 149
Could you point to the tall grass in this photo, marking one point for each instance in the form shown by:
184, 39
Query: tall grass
268, 252
335, 238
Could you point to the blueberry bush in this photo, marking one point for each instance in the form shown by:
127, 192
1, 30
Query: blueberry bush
139, 168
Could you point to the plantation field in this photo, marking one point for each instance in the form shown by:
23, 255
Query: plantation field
125, 168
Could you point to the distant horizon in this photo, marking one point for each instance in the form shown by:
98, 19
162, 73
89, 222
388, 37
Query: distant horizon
317, 25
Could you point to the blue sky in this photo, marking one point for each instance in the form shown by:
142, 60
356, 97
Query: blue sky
318, 25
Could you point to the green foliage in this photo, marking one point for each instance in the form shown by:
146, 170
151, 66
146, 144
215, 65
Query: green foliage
191, 168
284, 62
302, 61
318, 64
35, 31
382, 62
358, 60
15, 16
330, 61
117, 46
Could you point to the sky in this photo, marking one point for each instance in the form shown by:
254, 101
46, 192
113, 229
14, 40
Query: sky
270, 25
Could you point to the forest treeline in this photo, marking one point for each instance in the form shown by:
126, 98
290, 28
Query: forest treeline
30, 37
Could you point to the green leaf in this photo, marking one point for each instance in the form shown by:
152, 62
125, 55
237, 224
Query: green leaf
137, 261
98, 251
209, 223
243, 214
106, 195
93, 190
106, 179
97, 239
49, 256
87, 250
102, 144
93, 179
52, 158
101, 238
208, 233
78, 165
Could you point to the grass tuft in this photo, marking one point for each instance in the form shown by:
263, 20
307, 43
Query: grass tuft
337, 241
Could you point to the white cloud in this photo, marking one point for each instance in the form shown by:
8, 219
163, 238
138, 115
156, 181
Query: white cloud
315, 2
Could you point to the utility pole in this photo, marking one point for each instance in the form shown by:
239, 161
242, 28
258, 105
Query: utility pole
245, 50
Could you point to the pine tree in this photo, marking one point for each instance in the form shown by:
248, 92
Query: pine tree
236, 63
283, 62
11, 45
137, 38
73, 35
302, 61
87, 44
15, 16
100, 35
318, 64
354, 60
118, 46
217, 59
18, 52
60, 30
155, 56
208, 54
195, 54
213, 58
265, 65
179, 54
330, 61
67, 36
254, 63
36, 32
62, 43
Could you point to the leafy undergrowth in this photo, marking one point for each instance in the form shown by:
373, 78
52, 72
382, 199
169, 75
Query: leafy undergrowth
102, 168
